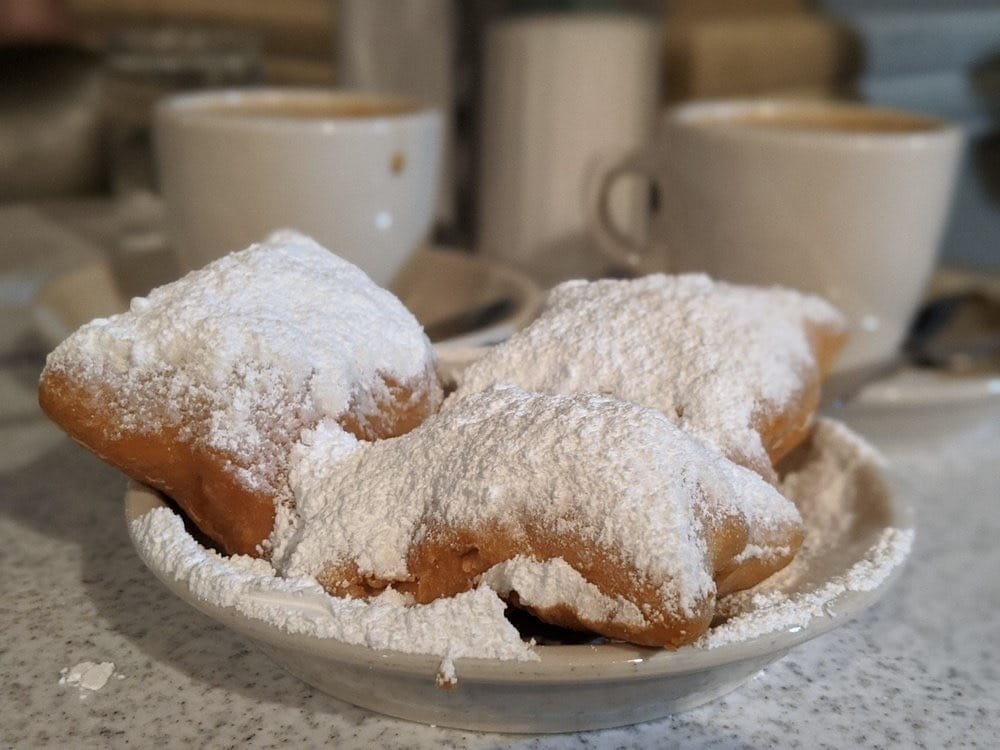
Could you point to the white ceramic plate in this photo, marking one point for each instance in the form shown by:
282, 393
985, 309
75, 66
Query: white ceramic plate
917, 408
577, 687
438, 285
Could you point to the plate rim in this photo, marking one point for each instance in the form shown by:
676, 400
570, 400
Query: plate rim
557, 664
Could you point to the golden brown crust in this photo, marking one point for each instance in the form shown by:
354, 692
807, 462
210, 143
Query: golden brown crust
201, 480
449, 562
408, 405
740, 574
783, 430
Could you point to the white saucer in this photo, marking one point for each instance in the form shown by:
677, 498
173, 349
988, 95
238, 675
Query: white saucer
915, 405
443, 284
437, 285
918, 389
575, 687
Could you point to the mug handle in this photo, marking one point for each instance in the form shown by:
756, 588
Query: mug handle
617, 244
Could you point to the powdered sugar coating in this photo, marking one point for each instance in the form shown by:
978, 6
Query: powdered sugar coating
618, 476
825, 489
710, 355
468, 625
472, 624
280, 331
542, 584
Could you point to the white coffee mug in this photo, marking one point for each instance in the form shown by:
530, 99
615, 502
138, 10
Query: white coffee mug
833, 198
357, 172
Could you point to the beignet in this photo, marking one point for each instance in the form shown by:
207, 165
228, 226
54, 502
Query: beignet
738, 367
201, 388
593, 513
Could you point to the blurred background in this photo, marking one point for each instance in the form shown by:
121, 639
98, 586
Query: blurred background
79, 76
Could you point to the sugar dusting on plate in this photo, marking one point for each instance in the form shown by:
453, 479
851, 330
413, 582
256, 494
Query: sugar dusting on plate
88, 676
829, 492
470, 624
850, 546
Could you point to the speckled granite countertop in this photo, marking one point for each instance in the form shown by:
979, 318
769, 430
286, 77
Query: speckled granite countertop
918, 670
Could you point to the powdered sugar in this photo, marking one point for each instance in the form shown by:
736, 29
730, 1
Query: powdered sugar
446, 676
468, 625
707, 354
543, 584
87, 675
277, 332
546, 470
764, 610
837, 489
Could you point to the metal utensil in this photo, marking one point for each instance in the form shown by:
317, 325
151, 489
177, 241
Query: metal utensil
959, 332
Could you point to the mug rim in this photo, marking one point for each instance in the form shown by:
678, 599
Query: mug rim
699, 114
208, 108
